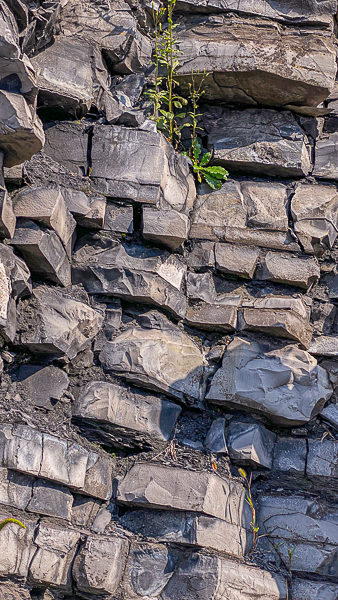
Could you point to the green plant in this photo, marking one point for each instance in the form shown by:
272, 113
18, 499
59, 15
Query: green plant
249, 499
214, 176
15, 521
164, 98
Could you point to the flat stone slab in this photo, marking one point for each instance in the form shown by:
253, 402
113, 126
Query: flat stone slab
273, 70
179, 489
286, 385
128, 419
259, 141
300, 271
326, 157
43, 386
324, 345
322, 462
158, 356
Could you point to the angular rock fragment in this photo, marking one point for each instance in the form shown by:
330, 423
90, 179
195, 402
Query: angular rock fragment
43, 386
156, 175
236, 260
119, 218
7, 216
15, 489
52, 500
52, 562
88, 212
214, 317
26, 450
159, 487
322, 462
14, 175
202, 255
281, 268
245, 213
215, 440
17, 271
215, 577
125, 418
201, 286
16, 546
167, 227
330, 414
259, 141
9, 37
313, 590
299, 12
251, 444
290, 457
55, 322
64, 76
325, 345
158, 356
286, 385
304, 524
132, 272
326, 157
99, 566
21, 133
189, 529
43, 252
279, 316
10, 591
148, 570
46, 206
314, 210
272, 70
8, 320
113, 29
67, 144
84, 510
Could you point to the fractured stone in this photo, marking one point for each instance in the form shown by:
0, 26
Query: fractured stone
326, 154
123, 417
250, 443
42, 385
167, 227
281, 268
16, 546
236, 260
286, 385
176, 367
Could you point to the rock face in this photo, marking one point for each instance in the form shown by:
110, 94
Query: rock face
259, 141
168, 350
287, 385
128, 419
271, 69
176, 369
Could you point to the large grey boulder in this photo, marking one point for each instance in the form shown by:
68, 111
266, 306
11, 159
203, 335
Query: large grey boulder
132, 272
273, 69
55, 322
43, 252
154, 486
55, 548
113, 29
301, 271
201, 577
28, 451
300, 12
258, 141
47, 206
314, 210
156, 175
251, 444
286, 385
295, 522
159, 356
189, 529
21, 133
281, 316
125, 418
99, 566
245, 213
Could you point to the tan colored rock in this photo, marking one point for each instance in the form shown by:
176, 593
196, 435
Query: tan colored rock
21, 133
300, 271
236, 260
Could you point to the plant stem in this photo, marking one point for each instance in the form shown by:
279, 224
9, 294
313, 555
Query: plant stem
171, 5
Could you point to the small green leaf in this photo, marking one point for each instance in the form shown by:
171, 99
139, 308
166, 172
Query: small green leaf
217, 172
196, 149
242, 472
205, 159
177, 104
180, 116
215, 184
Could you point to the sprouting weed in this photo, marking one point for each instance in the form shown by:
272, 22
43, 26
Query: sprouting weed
248, 496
